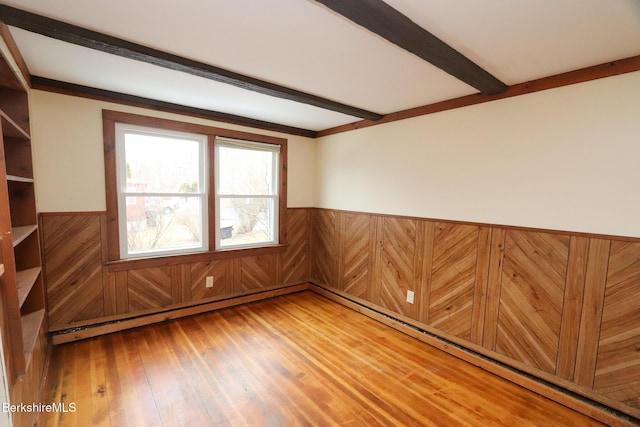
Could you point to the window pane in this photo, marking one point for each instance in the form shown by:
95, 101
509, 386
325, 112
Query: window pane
245, 172
161, 223
246, 221
159, 164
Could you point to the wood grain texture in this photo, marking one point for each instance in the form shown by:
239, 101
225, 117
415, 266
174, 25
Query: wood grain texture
591, 318
390, 24
397, 263
323, 236
116, 46
572, 307
494, 288
73, 268
618, 364
359, 231
28, 388
426, 264
257, 272
481, 285
533, 281
453, 277
294, 360
296, 258
82, 291
607, 69
149, 288
222, 283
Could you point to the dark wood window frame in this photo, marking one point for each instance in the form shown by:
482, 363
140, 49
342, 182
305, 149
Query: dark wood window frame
112, 255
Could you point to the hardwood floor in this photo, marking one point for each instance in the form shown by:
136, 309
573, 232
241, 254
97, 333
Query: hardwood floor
293, 360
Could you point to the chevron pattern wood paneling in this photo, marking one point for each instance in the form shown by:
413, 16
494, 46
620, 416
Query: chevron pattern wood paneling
222, 283
533, 281
295, 260
397, 263
257, 272
453, 277
618, 365
516, 292
73, 268
356, 259
150, 288
323, 258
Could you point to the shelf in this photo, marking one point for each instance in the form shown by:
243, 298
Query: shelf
11, 128
20, 233
31, 324
14, 178
25, 280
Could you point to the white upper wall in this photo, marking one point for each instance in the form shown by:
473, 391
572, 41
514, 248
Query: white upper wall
566, 159
68, 153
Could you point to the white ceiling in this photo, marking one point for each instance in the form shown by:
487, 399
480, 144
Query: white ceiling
303, 45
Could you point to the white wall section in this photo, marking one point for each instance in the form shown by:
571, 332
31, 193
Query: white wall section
566, 159
69, 162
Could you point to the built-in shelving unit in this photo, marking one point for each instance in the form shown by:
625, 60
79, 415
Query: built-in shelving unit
22, 292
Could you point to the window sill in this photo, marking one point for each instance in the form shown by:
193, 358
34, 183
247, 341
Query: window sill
164, 261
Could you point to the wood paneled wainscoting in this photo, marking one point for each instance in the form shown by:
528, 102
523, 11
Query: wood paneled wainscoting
89, 296
559, 307
563, 307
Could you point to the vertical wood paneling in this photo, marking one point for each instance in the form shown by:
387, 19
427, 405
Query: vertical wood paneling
73, 268
149, 288
533, 282
418, 269
339, 246
494, 288
295, 259
453, 277
481, 285
356, 272
377, 259
572, 309
397, 263
618, 364
425, 278
589, 334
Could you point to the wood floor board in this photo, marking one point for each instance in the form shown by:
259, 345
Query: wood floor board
299, 359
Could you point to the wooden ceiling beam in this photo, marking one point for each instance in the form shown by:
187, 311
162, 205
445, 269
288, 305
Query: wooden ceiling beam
385, 21
72, 89
92, 39
601, 71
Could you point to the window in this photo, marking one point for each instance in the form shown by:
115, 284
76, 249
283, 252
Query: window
246, 197
162, 203
177, 188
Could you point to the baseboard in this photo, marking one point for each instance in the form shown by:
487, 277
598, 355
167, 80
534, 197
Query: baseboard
75, 334
579, 403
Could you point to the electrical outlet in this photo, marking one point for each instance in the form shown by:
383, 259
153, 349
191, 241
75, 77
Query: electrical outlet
410, 297
209, 282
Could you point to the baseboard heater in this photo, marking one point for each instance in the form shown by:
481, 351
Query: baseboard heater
605, 413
